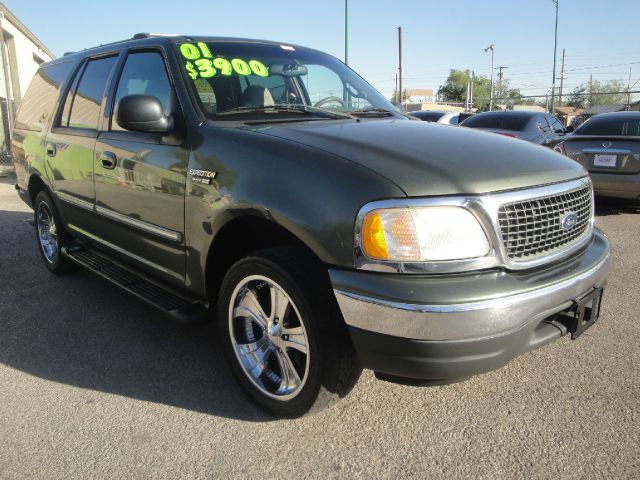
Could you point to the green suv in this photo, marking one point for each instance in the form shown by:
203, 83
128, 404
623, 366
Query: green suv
269, 187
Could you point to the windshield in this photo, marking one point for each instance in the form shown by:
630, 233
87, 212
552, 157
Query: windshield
628, 126
498, 121
242, 78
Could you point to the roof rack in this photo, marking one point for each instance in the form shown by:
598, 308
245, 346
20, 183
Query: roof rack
148, 35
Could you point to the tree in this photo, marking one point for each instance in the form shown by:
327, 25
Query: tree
606, 93
578, 97
455, 88
611, 92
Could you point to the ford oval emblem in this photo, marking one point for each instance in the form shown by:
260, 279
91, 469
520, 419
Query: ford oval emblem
569, 221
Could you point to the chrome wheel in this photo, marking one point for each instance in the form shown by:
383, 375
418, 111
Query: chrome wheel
47, 232
268, 337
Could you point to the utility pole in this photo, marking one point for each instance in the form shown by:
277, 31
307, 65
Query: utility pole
590, 90
561, 79
491, 47
555, 50
471, 93
500, 75
395, 96
629, 89
346, 30
400, 63
466, 102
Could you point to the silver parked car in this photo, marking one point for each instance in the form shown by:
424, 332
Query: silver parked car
608, 145
437, 116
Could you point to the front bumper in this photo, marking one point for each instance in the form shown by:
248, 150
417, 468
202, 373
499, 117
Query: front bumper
452, 326
616, 185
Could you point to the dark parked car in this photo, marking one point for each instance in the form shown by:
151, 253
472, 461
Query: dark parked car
437, 116
270, 188
608, 145
539, 128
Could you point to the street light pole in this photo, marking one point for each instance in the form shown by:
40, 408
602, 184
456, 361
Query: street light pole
400, 63
555, 48
491, 47
346, 30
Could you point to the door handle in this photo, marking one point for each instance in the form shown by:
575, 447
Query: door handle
108, 160
50, 150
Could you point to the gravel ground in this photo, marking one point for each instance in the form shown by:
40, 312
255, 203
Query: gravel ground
95, 384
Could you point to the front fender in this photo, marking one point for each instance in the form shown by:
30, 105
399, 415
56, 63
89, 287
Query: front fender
312, 194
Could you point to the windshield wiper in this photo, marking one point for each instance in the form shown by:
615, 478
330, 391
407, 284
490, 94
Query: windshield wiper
287, 108
372, 112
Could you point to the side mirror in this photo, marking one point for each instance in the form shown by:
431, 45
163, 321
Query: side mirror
569, 129
142, 113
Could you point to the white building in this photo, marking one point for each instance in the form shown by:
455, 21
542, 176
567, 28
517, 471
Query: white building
21, 54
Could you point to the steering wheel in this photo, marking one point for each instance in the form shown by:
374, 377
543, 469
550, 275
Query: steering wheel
321, 102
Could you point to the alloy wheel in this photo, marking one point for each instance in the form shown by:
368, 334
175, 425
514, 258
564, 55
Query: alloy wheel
47, 232
268, 337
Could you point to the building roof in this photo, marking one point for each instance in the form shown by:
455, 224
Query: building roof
598, 109
28, 33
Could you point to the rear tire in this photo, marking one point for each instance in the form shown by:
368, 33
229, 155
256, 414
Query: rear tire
50, 234
283, 335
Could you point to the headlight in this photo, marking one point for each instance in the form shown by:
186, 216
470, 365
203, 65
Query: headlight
422, 234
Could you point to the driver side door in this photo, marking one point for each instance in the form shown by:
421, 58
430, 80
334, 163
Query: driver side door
140, 177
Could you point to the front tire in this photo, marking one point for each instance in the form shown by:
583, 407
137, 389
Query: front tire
282, 333
50, 234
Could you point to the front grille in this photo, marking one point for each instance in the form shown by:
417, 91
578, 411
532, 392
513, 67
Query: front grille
533, 228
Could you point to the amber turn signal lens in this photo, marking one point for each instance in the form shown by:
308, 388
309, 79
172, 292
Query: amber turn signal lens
374, 241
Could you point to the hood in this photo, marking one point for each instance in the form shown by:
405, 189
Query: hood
426, 159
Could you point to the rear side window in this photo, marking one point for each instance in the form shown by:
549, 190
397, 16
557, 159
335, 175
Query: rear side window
556, 126
498, 121
84, 109
543, 125
144, 73
618, 126
41, 96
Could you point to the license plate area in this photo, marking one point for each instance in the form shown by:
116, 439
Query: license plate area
605, 160
584, 313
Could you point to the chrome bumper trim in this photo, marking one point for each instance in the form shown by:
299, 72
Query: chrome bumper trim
466, 321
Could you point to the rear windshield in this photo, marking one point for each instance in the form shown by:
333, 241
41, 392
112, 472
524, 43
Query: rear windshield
618, 125
498, 121
428, 116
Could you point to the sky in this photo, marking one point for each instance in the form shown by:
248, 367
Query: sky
600, 36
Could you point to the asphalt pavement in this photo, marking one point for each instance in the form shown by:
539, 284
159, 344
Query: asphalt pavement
96, 384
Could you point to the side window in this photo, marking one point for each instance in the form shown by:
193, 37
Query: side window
84, 109
41, 96
556, 126
543, 125
143, 73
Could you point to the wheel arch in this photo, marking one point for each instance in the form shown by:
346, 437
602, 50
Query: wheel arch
240, 237
36, 185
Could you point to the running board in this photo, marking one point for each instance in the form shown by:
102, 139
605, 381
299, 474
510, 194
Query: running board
163, 297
